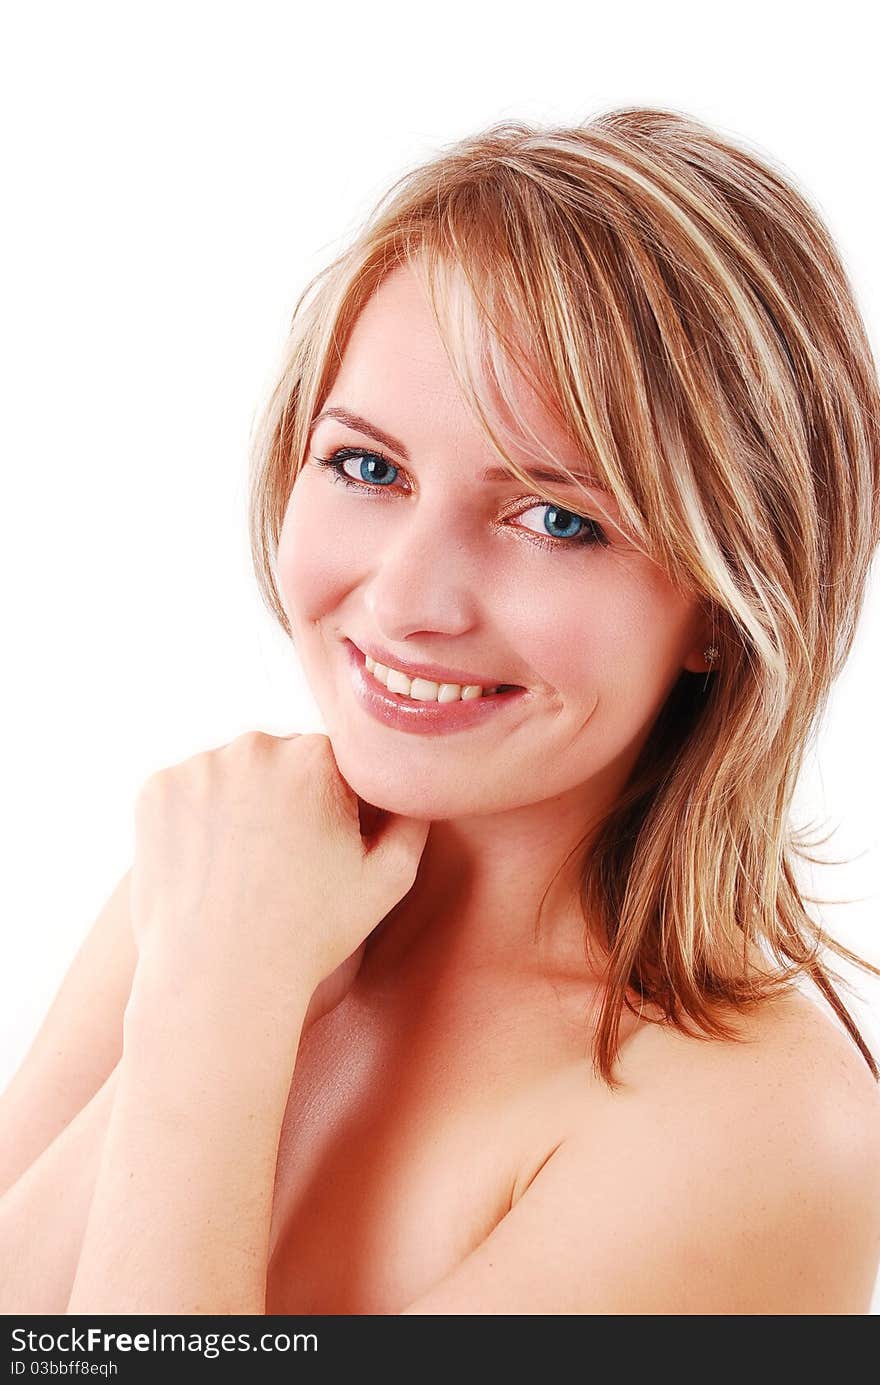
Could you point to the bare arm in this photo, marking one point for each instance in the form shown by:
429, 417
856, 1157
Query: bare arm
43, 1216
55, 1114
78, 1044
181, 1213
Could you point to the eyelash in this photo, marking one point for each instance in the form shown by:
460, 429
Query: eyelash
591, 536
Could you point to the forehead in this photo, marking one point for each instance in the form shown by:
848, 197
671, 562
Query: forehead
395, 370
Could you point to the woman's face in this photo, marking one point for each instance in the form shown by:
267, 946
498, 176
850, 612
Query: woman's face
427, 562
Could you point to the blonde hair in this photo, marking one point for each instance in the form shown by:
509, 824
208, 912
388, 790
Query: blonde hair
682, 308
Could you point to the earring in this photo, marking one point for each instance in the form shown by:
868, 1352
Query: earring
710, 654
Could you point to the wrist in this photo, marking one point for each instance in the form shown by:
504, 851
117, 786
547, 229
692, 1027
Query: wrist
219, 1008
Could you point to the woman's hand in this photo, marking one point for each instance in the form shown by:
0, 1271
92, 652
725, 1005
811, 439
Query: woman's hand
250, 865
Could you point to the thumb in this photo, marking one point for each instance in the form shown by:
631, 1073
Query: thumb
398, 843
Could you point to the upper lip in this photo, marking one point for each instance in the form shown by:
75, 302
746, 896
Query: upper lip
433, 672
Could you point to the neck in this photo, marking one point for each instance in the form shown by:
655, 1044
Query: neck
481, 884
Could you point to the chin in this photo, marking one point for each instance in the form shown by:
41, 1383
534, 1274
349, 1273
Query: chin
399, 790
402, 790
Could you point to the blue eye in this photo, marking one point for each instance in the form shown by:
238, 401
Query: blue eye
373, 468
576, 530
376, 471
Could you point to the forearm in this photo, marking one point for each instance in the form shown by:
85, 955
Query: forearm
181, 1213
43, 1215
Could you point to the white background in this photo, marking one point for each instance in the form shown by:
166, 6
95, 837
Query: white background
172, 176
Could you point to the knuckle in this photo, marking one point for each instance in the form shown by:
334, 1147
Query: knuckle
153, 792
325, 761
250, 742
323, 775
317, 744
155, 784
313, 751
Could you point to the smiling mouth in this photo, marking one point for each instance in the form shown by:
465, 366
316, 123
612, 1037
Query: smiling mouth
445, 710
425, 683
426, 691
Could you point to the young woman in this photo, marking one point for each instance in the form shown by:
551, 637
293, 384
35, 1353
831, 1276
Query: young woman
490, 1000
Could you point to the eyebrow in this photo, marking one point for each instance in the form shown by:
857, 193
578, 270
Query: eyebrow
492, 473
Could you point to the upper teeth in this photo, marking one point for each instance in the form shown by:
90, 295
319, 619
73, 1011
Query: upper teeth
422, 689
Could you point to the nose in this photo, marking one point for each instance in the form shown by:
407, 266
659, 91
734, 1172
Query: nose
426, 579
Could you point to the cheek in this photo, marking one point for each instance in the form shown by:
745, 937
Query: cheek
573, 624
615, 632
314, 570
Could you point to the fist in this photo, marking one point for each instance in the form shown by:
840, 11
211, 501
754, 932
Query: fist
250, 866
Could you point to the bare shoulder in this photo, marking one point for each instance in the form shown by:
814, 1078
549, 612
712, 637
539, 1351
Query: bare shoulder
790, 1065
788, 1044
776, 1131
737, 1176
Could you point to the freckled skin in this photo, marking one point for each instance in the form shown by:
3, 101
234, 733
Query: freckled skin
597, 635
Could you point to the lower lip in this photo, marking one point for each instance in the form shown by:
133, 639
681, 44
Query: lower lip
422, 718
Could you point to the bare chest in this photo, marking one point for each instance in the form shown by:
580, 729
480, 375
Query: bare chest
403, 1145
